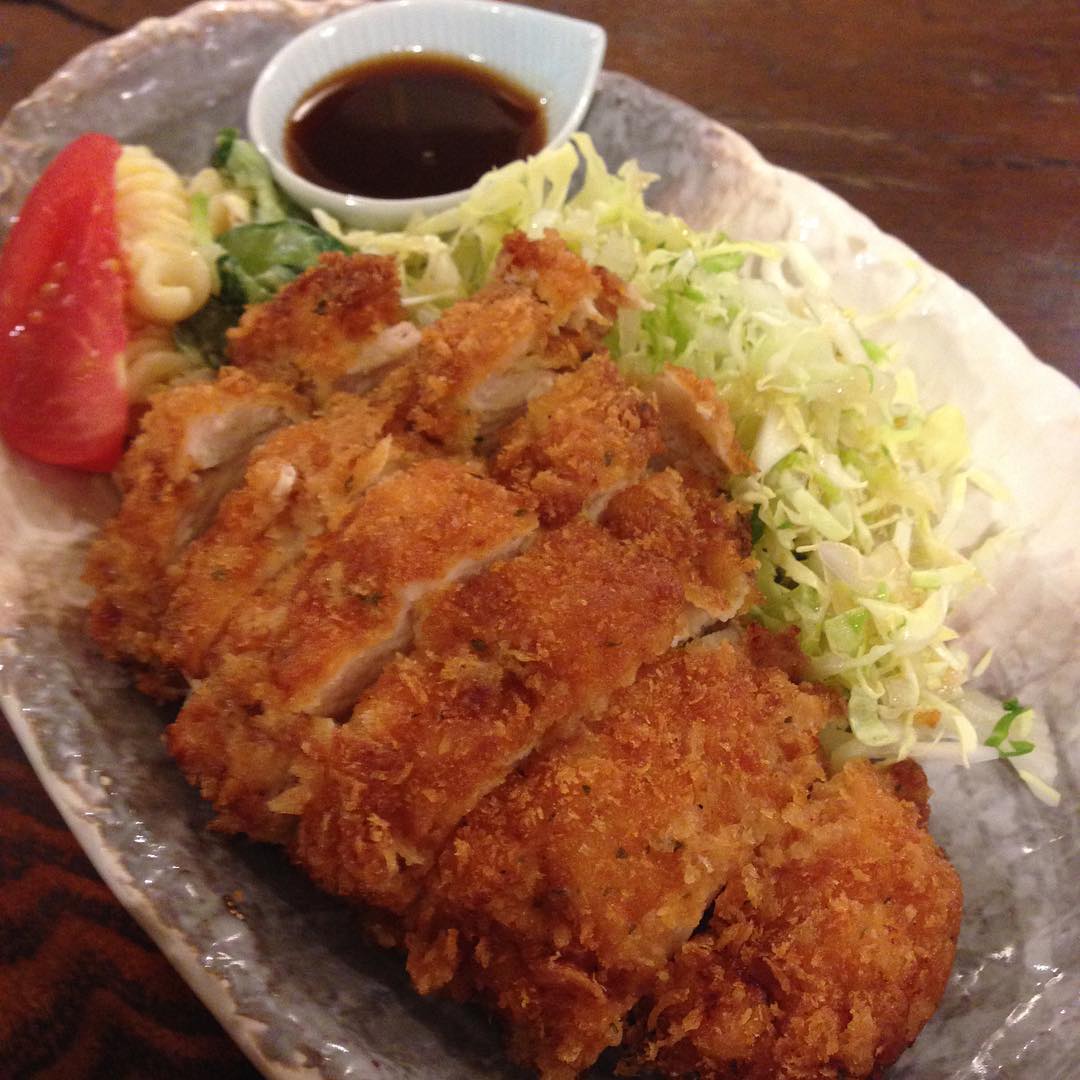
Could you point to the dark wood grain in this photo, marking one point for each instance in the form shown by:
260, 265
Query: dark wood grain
954, 124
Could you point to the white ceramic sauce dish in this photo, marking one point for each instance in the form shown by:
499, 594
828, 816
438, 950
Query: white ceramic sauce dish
555, 57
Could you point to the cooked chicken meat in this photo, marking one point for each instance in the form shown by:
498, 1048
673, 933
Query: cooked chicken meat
565, 893
192, 448
686, 519
301, 482
309, 641
503, 661
696, 424
328, 329
588, 437
442, 635
543, 311
826, 957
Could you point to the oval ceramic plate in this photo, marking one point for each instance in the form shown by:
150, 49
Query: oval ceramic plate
290, 980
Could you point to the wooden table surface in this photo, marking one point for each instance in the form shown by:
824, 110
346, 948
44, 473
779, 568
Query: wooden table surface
954, 124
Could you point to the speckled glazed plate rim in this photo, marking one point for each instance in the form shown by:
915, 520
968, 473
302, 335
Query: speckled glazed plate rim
80, 802
78, 814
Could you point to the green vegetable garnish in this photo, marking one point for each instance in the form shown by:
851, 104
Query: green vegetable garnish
256, 261
245, 170
1017, 747
259, 259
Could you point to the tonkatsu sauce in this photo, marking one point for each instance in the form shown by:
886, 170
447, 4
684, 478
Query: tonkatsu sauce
411, 124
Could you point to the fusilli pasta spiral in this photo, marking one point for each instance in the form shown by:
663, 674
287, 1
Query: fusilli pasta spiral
170, 278
153, 361
226, 209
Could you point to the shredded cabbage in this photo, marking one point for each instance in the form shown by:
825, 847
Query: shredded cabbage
859, 490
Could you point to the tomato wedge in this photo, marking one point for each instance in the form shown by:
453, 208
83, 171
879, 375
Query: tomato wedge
62, 333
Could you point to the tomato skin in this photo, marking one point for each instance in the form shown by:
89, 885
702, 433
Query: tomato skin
62, 331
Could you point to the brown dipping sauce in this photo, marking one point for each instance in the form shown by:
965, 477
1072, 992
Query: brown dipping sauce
411, 124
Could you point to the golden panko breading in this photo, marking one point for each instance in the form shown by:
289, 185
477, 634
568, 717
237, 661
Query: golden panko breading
439, 596
482, 360
240, 751
326, 326
191, 449
503, 660
589, 436
697, 425
686, 519
827, 957
475, 367
569, 888
310, 640
418, 530
302, 481
583, 299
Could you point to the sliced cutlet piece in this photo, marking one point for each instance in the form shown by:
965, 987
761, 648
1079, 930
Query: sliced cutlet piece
301, 649
565, 893
191, 450
588, 437
826, 957
475, 367
697, 426
332, 328
503, 663
684, 518
421, 529
301, 482
543, 310
583, 299
241, 749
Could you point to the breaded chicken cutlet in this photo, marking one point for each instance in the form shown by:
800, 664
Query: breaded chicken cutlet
330, 329
302, 481
190, 451
588, 437
304, 646
827, 955
566, 892
438, 598
533, 644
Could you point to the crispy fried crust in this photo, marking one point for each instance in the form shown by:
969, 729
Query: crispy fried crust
780, 650
313, 637
696, 423
567, 889
684, 518
503, 659
313, 332
583, 299
191, 448
301, 482
829, 955
589, 436
419, 529
475, 366
544, 798
241, 752
543, 311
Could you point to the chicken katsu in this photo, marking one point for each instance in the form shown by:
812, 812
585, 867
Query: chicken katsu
331, 329
588, 437
455, 615
306, 644
570, 887
302, 481
827, 955
534, 644
191, 450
